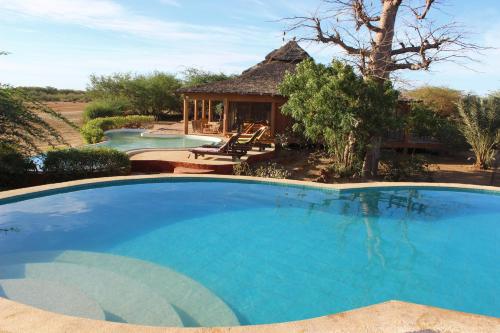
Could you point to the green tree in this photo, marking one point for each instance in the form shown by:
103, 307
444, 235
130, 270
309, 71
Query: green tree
441, 100
480, 124
384, 37
150, 94
195, 77
23, 123
335, 106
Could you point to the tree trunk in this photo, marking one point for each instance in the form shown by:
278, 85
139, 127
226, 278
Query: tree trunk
380, 59
372, 157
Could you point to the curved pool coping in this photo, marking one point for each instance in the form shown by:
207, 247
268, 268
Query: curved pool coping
135, 151
391, 316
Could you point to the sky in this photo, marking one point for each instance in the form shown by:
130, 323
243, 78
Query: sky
60, 43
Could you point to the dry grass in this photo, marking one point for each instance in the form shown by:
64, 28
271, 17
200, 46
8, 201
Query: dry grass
73, 111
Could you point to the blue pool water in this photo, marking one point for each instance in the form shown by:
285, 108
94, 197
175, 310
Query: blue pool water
126, 140
276, 253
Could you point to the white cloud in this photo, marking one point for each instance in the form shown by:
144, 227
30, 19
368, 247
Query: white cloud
111, 16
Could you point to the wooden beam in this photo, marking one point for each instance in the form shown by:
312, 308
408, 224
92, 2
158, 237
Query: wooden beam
210, 116
186, 115
195, 109
237, 98
225, 127
203, 111
273, 118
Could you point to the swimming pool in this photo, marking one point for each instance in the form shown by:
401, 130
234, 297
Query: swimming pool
130, 139
191, 252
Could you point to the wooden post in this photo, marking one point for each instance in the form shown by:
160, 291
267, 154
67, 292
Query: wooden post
273, 118
203, 109
195, 109
186, 115
210, 117
225, 126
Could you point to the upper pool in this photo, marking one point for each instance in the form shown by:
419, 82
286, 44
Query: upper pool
126, 140
192, 252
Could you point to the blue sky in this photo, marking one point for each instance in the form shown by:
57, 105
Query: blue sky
61, 42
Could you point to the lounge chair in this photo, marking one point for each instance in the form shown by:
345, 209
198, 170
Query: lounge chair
255, 139
230, 148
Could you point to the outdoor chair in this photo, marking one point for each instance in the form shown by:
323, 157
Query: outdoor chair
230, 148
255, 139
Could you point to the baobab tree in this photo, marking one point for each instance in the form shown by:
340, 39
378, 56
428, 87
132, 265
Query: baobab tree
382, 37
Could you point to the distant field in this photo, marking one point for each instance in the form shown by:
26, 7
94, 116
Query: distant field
73, 111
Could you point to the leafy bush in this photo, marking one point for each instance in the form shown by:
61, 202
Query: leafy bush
424, 122
13, 167
399, 167
269, 170
72, 163
93, 130
334, 106
105, 108
24, 121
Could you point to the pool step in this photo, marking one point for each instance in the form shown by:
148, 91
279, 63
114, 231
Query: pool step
121, 298
50, 296
195, 304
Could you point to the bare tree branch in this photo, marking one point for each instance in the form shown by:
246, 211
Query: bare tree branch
428, 5
369, 35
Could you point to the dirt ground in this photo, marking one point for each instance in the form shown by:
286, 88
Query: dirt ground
305, 165
74, 113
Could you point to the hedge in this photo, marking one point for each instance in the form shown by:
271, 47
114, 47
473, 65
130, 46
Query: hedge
93, 130
73, 163
13, 167
104, 108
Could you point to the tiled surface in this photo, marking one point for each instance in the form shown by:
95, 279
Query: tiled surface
390, 317
386, 317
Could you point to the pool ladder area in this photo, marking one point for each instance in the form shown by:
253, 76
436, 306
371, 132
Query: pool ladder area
109, 287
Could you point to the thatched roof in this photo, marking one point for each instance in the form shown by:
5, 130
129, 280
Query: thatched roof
261, 79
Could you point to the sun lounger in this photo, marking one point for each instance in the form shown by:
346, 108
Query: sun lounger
230, 148
255, 139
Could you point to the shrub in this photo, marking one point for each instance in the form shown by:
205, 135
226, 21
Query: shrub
72, 163
480, 124
269, 170
398, 167
13, 167
93, 130
441, 100
105, 108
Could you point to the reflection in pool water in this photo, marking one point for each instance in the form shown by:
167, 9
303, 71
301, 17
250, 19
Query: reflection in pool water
281, 253
126, 140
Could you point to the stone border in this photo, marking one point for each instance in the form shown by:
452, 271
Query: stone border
392, 316
348, 186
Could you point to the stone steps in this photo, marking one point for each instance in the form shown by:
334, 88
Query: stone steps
50, 296
122, 299
195, 304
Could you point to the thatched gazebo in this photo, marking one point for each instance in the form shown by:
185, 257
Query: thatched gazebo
251, 97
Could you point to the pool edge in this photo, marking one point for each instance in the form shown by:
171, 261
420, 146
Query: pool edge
391, 316
11, 194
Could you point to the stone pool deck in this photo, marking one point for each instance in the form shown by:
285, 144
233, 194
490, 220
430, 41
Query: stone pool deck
390, 317
183, 162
